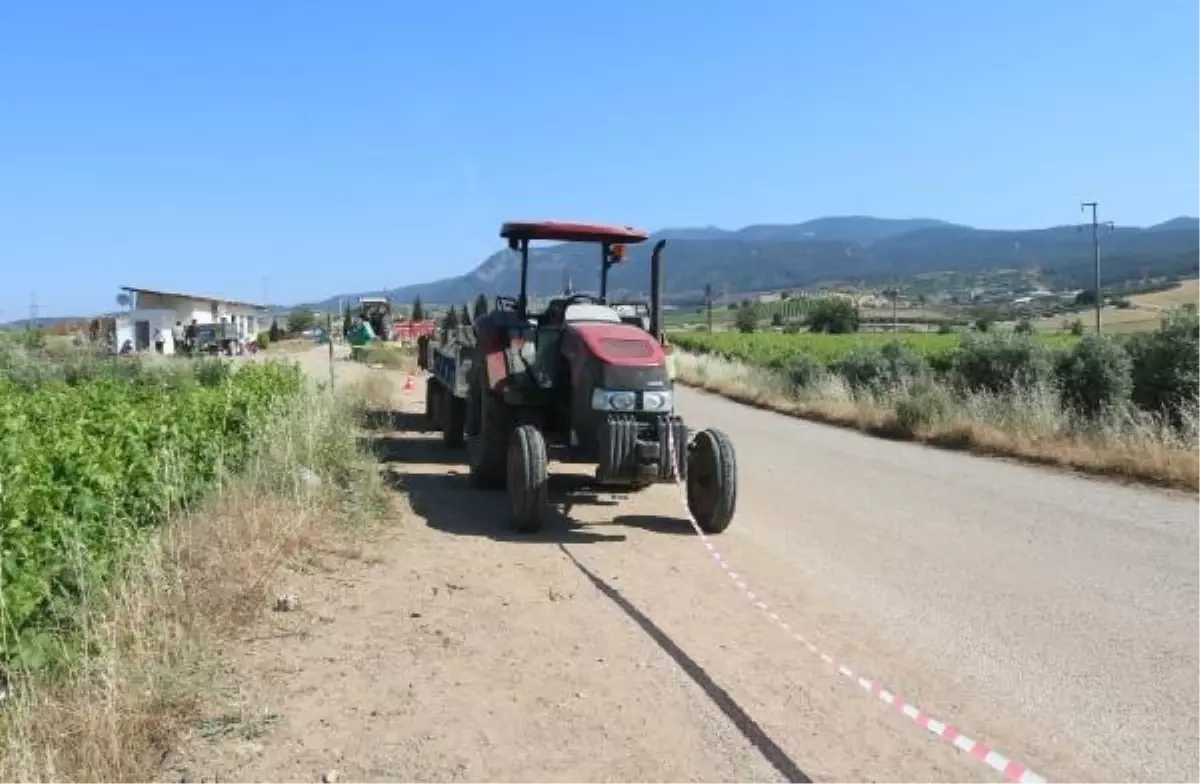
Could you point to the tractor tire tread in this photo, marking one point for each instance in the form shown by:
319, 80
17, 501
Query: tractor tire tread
719, 448
527, 479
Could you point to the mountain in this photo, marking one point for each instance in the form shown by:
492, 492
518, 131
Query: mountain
849, 249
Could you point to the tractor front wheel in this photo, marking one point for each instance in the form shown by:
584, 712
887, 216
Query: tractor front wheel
527, 479
711, 480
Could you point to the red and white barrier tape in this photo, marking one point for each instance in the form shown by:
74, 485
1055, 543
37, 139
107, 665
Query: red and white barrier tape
1011, 770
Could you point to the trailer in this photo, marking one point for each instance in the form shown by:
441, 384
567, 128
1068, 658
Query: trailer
447, 358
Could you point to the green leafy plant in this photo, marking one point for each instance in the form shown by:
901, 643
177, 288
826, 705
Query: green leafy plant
89, 463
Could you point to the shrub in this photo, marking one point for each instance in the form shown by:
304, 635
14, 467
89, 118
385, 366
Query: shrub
804, 370
1166, 366
777, 319
878, 370
1076, 327
1024, 326
263, 339
924, 404
1094, 376
833, 315
945, 328
746, 320
1000, 363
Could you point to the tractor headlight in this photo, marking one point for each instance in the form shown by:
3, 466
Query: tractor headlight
621, 400
608, 400
656, 401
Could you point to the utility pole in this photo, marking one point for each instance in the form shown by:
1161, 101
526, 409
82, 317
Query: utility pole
33, 312
708, 299
1096, 254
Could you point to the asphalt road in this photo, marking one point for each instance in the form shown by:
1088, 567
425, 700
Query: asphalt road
1052, 615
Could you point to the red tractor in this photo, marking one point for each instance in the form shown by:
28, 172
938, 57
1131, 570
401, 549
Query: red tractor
576, 383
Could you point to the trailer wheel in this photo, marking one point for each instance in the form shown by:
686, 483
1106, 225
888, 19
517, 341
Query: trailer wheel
487, 447
433, 391
527, 478
454, 412
711, 480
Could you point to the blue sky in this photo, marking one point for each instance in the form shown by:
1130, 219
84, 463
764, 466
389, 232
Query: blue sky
307, 149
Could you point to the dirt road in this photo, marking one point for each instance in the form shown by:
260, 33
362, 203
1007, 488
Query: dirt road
1052, 617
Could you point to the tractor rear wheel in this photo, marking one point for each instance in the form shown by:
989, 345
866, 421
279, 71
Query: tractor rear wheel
487, 446
433, 391
453, 412
527, 479
711, 480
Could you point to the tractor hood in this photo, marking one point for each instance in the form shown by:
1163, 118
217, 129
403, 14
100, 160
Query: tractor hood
619, 344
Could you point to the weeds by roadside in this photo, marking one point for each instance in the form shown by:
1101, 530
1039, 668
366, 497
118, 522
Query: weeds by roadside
390, 355
149, 635
1029, 423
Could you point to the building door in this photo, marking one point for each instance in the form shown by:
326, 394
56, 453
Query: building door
141, 335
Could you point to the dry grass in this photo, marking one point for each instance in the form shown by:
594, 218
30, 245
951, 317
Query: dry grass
290, 345
1145, 314
390, 355
1031, 428
153, 636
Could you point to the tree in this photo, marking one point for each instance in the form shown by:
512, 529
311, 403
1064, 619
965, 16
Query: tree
1024, 326
777, 319
301, 319
833, 315
481, 305
464, 318
275, 331
418, 310
1086, 298
746, 319
450, 320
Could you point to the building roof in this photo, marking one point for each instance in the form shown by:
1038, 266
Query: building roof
196, 297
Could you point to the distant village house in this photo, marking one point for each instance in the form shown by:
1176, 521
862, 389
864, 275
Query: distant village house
155, 313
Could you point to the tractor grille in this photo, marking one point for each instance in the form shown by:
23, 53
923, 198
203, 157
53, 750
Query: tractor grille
626, 349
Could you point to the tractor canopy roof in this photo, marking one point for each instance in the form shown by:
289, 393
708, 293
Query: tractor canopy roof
571, 232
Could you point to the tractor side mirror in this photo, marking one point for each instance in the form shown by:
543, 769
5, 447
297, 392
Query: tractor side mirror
513, 244
616, 254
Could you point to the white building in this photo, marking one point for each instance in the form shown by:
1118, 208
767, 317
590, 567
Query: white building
153, 311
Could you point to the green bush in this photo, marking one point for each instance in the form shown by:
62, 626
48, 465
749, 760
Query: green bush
804, 370
833, 315
924, 404
746, 319
88, 466
1094, 376
877, 370
1000, 363
263, 339
1166, 366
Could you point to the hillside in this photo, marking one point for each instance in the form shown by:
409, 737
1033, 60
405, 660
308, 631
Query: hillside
852, 249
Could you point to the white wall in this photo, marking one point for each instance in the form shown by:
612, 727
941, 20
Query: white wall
250, 321
157, 318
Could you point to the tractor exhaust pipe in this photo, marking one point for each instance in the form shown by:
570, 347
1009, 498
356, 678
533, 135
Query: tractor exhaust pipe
656, 291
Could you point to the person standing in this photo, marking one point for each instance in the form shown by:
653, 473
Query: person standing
159, 340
